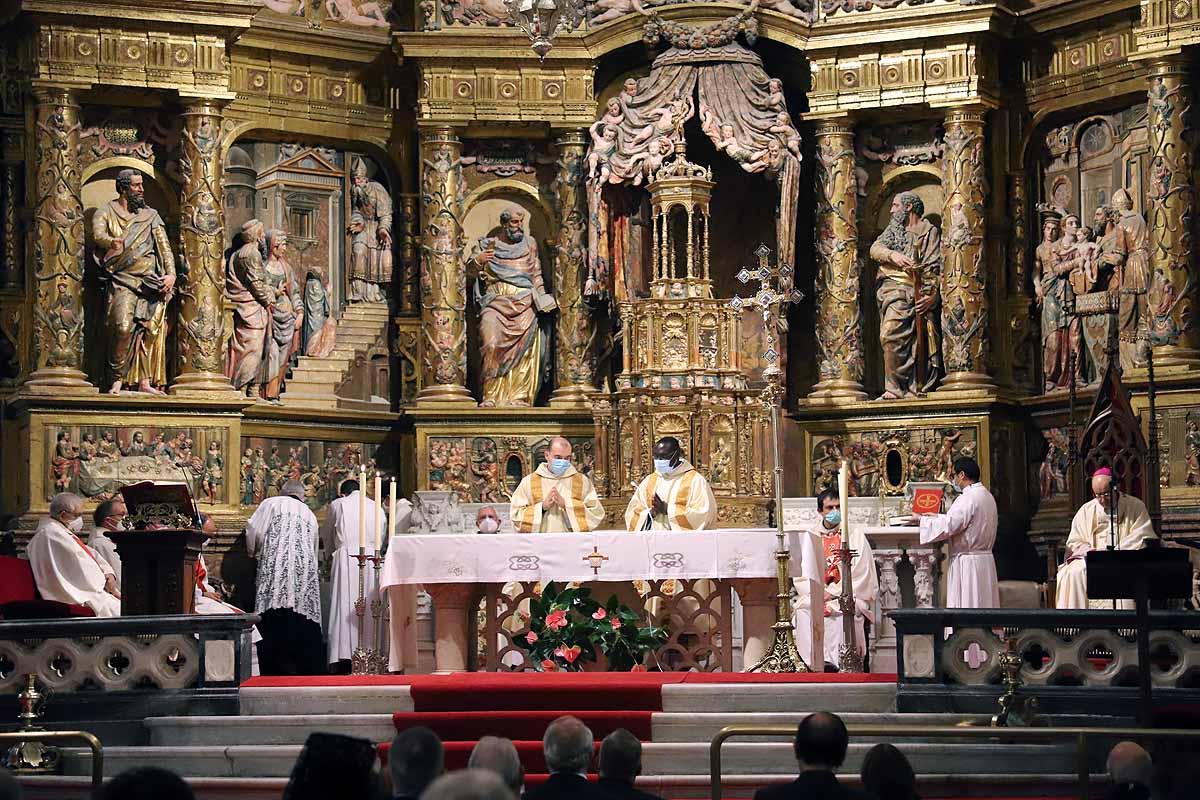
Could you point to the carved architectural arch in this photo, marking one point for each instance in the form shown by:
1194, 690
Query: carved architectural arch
1113, 438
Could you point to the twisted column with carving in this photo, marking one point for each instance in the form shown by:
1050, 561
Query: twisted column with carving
839, 319
57, 285
964, 230
410, 236
575, 328
201, 366
443, 273
11, 263
1172, 209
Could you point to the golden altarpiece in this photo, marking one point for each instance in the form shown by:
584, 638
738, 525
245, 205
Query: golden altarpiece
471, 249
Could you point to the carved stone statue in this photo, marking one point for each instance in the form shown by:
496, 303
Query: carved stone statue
511, 295
320, 329
287, 316
136, 264
371, 250
251, 299
1104, 268
1060, 333
1135, 280
909, 254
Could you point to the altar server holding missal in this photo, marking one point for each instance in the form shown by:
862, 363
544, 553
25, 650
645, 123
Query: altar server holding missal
64, 568
556, 497
674, 497
969, 531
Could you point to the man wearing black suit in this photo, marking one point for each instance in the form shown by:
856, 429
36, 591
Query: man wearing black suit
620, 764
568, 748
821, 742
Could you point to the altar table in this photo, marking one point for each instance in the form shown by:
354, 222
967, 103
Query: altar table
456, 568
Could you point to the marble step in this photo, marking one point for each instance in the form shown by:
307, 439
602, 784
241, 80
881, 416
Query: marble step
312, 700
777, 697
698, 727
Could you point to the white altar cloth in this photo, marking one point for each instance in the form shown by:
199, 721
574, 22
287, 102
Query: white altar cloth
649, 555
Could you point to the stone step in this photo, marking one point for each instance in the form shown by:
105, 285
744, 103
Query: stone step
264, 729
777, 697
697, 727
312, 700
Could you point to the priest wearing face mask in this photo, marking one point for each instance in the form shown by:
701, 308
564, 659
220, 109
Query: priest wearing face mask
556, 497
969, 531
675, 497
64, 568
862, 576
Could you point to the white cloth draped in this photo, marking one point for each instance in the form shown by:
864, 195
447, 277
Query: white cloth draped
339, 537
1090, 531
969, 530
68, 571
106, 547
282, 535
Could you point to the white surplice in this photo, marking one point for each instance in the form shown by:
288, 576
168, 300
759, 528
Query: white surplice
866, 589
100, 543
282, 535
691, 505
68, 571
580, 511
1090, 531
969, 530
339, 537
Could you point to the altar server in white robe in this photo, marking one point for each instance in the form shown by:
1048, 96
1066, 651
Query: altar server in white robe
282, 536
969, 530
108, 516
556, 497
862, 576
675, 497
1091, 530
207, 601
339, 537
64, 568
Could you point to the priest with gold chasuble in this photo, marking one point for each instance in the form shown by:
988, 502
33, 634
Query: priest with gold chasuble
556, 497
674, 497
1091, 529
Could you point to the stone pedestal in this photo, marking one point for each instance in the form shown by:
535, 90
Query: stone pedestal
451, 605
893, 546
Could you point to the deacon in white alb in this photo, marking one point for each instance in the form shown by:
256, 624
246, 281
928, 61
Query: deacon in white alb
65, 569
556, 497
674, 497
282, 535
1091, 530
970, 532
108, 516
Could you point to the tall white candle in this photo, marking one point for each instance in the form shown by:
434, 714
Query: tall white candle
378, 510
362, 508
392, 512
844, 497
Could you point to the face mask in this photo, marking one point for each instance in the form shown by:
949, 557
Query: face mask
662, 465
834, 518
559, 465
76, 525
489, 525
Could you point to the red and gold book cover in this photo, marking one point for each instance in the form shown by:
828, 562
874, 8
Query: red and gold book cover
927, 501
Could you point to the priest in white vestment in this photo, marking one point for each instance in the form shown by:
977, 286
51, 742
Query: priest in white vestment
1091, 530
556, 497
108, 516
282, 536
339, 538
64, 568
969, 530
862, 576
675, 497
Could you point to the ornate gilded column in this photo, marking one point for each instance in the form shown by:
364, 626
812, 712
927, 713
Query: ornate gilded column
57, 285
201, 365
1172, 208
443, 274
839, 319
11, 264
964, 271
576, 360
410, 237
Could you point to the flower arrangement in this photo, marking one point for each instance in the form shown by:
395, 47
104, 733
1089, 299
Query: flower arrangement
567, 629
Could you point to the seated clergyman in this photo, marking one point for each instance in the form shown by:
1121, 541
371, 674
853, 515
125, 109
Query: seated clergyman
1091, 529
65, 569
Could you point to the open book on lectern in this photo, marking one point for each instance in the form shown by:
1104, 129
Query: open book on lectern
160, 504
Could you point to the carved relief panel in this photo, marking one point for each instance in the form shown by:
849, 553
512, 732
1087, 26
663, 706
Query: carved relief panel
263, 464
927, 453
488, 469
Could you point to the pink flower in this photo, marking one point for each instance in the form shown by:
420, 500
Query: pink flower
549, 665
600, 614
638, 668
556, 619
568, 654
531, 637
616, 624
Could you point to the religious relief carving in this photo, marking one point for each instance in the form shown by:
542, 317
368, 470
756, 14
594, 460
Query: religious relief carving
371, 228
285, 319
850, 6
1054, 262
266, 464
928, 454
362, 13
1179, 452
247, 289
1052, 471
486, 469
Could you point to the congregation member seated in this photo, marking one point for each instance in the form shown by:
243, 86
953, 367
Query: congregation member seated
469, 784
108, 516
1130, 771
620, 764
568, 748
887, 775
500, 756
415, 760
1091, 529
9, 788
146, 783
64, 568
820, 747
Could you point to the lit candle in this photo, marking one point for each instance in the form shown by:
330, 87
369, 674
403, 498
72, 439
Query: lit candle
378, 510
392, 512
362, 508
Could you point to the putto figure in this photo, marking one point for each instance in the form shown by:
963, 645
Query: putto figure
909, 253
371, 226
136, 265
510, 294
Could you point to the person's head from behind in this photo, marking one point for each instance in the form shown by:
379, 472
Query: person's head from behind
147, 783
568, 745
334, 765
821, 741
9, 788
348, 487
499, 756
294, 490
620, 756
415, 760
469, 784
1129, 763
887, 775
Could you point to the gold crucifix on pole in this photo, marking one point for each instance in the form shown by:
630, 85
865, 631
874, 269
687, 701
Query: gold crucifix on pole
771, 300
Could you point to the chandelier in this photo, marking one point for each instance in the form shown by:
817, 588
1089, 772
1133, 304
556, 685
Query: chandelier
542, 20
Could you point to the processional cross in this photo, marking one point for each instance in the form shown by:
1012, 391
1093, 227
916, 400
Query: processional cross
775, 292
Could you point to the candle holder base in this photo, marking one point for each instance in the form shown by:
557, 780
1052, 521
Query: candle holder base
364, 661
783, 657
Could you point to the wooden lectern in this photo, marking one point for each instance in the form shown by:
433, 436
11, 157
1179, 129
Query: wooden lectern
158, 555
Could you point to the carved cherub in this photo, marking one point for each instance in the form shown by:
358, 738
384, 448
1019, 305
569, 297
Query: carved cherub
775, 95
612, 9
670, 116
369, 14
604, 144
650, 160
710, 123
613, 114
786, 132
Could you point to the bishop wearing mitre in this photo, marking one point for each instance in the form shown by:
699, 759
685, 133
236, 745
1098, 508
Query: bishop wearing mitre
1091, 529
556, 497
674, 497
64, 568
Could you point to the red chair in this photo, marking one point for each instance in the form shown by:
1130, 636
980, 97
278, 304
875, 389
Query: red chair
19, 598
